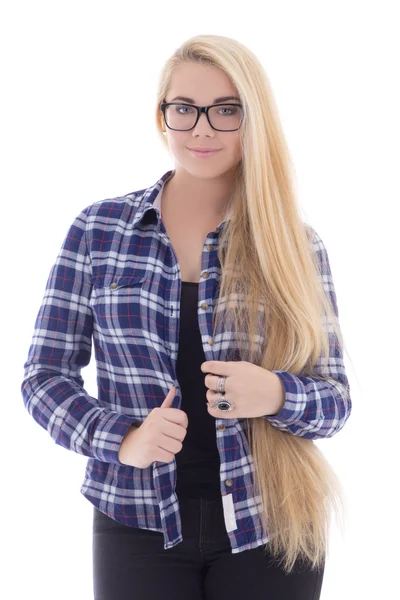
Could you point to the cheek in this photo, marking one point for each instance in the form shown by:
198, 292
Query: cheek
233, 151
237, 150
177, 142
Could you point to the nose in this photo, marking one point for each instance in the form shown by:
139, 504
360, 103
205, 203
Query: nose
200, 123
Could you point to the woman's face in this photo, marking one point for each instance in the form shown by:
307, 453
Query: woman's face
203, 84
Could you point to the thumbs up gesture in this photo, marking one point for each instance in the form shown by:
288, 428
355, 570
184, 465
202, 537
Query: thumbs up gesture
158, 438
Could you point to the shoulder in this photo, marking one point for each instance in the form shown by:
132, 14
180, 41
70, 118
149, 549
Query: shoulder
111, 215
113, 210
315, 239
319, 251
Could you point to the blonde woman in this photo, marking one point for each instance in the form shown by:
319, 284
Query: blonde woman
213, 314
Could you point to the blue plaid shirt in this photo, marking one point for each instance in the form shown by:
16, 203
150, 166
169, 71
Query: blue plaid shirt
117, 281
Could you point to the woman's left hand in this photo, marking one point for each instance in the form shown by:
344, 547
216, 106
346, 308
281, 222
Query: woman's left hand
253, 390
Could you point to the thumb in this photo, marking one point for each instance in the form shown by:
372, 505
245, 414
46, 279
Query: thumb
169, 398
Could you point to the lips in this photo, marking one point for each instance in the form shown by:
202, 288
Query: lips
204, 153
204, 149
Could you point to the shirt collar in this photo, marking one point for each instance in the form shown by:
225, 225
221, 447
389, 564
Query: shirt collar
150, 203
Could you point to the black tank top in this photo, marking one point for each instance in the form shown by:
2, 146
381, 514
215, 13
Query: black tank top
198, 462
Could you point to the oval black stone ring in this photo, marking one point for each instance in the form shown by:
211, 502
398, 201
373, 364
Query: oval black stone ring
222, 404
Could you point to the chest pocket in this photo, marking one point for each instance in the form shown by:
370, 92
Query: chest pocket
119, 303
103, 281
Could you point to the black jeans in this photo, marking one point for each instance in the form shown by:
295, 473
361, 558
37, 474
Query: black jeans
131, 564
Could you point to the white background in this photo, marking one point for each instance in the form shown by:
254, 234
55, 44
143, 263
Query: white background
77, 125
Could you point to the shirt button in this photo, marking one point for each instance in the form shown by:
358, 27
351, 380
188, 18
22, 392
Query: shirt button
210, 341
113, 285
228, 482
204, 305
209, 246
221, 427
205, 275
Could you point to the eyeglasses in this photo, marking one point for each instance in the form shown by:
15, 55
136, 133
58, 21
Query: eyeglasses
184, 117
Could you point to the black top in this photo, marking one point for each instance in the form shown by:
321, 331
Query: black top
198, 462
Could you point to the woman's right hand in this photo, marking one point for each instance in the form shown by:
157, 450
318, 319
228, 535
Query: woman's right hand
158, 438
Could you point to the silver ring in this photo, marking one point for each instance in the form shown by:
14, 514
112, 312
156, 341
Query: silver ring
221, 384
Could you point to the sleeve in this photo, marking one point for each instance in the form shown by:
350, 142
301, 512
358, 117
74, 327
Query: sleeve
315, 408
52, 388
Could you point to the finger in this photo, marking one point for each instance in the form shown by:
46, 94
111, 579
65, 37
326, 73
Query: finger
217, 367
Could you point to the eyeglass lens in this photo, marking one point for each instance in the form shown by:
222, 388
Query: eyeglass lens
182, 116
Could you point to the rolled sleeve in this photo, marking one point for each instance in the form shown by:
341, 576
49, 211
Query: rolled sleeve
317, 408
52, 387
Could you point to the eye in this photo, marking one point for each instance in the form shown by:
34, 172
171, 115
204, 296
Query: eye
232, 110
183, 106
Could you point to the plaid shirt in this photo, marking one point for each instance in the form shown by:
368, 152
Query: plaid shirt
116, 280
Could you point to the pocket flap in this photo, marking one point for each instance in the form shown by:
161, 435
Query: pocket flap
115, 282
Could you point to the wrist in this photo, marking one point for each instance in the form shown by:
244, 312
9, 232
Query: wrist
278, 395
128, 434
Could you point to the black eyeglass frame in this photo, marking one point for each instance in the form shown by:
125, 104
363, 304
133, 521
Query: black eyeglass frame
200, 110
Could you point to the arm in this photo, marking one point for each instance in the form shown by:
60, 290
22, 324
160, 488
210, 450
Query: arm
52, 387
315, 408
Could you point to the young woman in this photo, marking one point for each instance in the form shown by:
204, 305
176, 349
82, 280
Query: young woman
219, 354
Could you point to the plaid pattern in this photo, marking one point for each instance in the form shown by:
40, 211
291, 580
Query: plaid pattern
116, 281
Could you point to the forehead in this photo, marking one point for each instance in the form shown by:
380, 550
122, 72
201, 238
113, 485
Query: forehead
199, 83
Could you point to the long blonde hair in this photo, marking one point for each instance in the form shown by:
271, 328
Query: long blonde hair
271, 250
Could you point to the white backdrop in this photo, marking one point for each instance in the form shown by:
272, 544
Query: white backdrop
77, 126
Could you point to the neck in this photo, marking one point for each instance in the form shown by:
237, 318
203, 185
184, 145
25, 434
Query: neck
198, 196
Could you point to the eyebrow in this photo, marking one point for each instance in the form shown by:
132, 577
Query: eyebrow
221, 99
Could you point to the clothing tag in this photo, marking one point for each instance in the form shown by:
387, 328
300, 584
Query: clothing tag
229, 512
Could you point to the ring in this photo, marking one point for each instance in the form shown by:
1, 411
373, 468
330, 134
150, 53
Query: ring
222, 404
221, 384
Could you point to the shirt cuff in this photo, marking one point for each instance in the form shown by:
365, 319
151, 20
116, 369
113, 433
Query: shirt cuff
108, 435
295, 400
